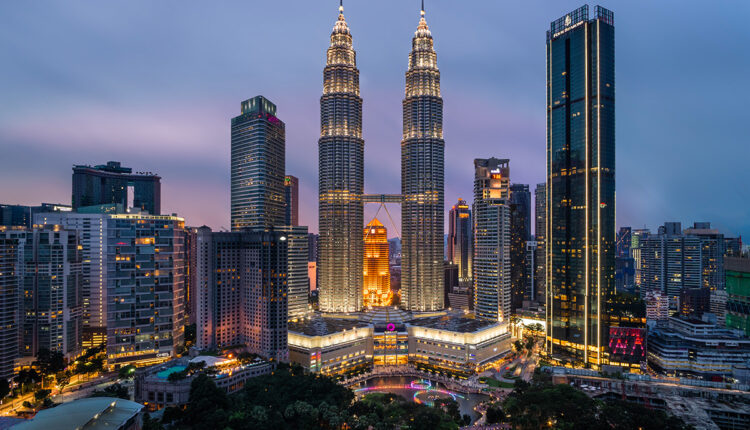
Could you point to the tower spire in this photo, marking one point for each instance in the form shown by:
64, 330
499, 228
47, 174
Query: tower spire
341, 6
422, 7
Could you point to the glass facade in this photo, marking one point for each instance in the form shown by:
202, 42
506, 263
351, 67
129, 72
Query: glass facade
520, 231
580, 184
460, 240
257, 177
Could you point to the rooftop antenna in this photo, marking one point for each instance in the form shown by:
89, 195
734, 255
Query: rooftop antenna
422, 7
341, 6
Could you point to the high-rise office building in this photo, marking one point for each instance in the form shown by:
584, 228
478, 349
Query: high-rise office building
492, 239
111, 183
531, 290
580, 184
733, 246
257, 178
191, 260
377, 274
623, 241
422, 178
341, 177
460, 241
92, 230
133, 295
673, 260
49, 277
312, 247
636, 240
297, 276
713, 248
242, 285
540, 229
670, 262
9, 305
291, 200
520, 232
145, 298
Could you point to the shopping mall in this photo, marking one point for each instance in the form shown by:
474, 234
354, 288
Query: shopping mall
448, 342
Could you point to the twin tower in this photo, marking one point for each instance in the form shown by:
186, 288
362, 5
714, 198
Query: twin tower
341, 186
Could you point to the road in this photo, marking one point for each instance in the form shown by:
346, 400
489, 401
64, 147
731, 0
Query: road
77, 390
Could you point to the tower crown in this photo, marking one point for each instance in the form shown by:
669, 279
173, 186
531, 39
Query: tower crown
340, 27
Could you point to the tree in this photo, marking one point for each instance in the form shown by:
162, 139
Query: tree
494, 414
63, 379
208, 405
40, 395
126, 371
246, 357
114, 390
27, 377
542, 404
151, 423
49, 362
4, 388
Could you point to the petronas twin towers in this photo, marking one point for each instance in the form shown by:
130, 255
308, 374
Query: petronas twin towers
341, 186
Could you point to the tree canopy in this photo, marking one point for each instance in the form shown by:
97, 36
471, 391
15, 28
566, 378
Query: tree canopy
543, 405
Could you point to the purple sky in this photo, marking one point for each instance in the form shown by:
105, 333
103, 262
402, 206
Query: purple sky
154, 85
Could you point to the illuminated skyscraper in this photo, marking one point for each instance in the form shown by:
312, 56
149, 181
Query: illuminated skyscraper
377, 275
460, 239
258, 151
492, 239
580, 184
422, 178
341, 169
291, 200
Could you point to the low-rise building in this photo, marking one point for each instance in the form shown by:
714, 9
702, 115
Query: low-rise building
446, 342
456, 345
94, 413
155, 389
698, 348
330, 345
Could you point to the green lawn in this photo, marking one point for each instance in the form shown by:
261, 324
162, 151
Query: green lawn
492, 382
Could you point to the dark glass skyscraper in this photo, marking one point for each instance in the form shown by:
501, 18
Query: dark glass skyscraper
341, 181
113, 184
258, 151
580, 184
460, 239
520, 232
422, 178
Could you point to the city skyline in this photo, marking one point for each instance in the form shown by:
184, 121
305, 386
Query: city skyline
96, 120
